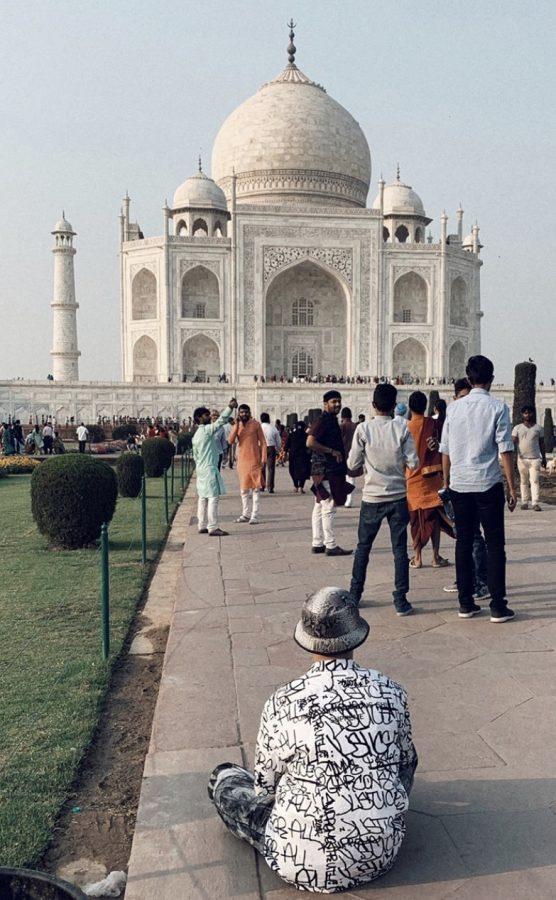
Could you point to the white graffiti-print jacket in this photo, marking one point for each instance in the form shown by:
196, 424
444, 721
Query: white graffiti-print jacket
335, 751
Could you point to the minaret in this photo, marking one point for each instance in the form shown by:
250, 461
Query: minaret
64, 340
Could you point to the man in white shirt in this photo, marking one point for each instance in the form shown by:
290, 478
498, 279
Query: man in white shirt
385, 447
273, 444
334, 762
48, 438
529, 440
82, 437
476, 431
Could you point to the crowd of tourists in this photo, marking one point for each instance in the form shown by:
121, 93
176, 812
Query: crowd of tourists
334, 759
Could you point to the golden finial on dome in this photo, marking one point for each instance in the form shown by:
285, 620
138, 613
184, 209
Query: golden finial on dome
291, 46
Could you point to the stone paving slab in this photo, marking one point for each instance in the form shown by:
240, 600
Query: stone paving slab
482, 822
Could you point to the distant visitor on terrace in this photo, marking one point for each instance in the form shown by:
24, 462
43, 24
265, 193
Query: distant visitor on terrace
334, 762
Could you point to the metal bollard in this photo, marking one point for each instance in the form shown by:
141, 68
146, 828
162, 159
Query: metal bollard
166, 496
144, 519
105, 590
172, 481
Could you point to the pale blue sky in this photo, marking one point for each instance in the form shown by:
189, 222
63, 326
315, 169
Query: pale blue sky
100, 97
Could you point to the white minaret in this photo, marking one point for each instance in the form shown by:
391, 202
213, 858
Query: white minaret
64, 339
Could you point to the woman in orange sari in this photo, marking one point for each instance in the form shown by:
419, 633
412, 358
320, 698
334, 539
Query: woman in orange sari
426, 510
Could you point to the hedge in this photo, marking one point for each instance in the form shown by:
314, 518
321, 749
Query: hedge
96, 434
157, 453
122, 432
71, 497
129, 471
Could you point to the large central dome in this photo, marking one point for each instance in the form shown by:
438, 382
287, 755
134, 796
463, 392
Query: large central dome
290, 143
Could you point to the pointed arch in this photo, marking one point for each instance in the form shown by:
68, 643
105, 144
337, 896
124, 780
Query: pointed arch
200, 294
201, 358
143, 295
181, 228
200, 228
409, 361
456, 360
306, 308
401, 234
410, 298
145, 360
459, 306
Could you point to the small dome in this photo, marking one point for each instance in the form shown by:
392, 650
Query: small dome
199, 192
467, 243
63, 225
400, 199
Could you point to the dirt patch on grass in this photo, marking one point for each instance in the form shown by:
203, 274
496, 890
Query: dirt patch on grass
98, 819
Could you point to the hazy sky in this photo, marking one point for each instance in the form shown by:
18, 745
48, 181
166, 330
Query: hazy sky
100, 97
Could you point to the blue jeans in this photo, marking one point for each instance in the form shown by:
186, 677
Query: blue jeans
370, 520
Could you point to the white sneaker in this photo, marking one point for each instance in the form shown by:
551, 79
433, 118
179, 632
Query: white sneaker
253, 521
242, 519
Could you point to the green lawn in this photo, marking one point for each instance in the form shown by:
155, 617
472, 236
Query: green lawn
52, 676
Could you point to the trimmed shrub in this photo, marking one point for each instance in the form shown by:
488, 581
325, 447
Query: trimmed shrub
157, 453
434, 396
96, 434
129, 471
122, 432
71, 497
185, 439
524, 389
548, 431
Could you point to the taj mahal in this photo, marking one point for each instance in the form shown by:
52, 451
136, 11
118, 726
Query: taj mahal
271, 273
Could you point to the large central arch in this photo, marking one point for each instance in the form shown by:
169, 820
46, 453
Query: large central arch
306, 311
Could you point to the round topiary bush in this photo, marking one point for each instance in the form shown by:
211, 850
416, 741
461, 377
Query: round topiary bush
96, 434
122, 432
185, 439
129, 471
157, 453
71, 497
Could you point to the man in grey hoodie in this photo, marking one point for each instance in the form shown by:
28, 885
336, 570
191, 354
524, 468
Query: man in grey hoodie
385, 447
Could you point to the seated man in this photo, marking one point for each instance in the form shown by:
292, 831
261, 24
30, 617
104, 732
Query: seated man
334, 762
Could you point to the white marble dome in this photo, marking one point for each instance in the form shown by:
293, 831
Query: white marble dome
199, 192
63, 225
291, 142
400, 199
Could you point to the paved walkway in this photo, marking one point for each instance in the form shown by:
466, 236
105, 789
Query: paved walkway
482, 821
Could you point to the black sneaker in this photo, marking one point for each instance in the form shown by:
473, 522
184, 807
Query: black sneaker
338, 551
318, 549
467, 612
502, 615
403, 608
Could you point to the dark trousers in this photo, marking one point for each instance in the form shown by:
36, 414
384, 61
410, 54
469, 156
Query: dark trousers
480, 560
488, 508
82, 446
270, 468
243, 811
47, 444
370, 519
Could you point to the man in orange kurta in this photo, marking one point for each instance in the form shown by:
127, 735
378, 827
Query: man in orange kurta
250, 462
